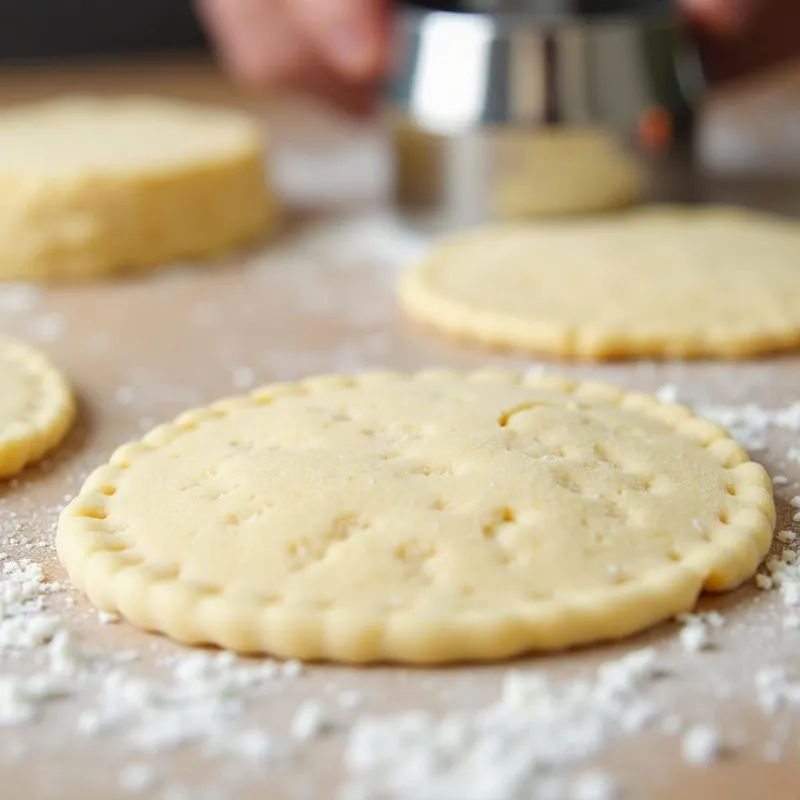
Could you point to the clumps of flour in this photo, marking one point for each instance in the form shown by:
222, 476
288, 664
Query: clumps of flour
702, 745
749, 424
513, 747
697, 630
197, 702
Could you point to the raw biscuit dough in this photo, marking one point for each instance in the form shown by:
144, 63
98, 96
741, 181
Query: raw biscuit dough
427, 518
90, 186
36, 406
663, 281
561, 171
544, 172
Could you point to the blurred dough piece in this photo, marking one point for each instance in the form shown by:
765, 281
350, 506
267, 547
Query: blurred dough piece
660, 281
36, 406
561, 171
91, 186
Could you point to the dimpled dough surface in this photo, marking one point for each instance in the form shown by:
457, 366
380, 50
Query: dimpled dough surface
658, 282
36, 406
90, 186
423, 518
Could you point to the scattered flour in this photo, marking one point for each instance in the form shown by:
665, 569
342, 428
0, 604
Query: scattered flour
243, 378
199, 705
595, 785
668, 393
701, 745
372, 238
292, 668
749, 424
125, 395
17, 298
695, 635
49, 327
782, 572
792, 622
309, 721
198, 702
510, 748
350, 698
695, 638
776, 690
137, 778
22, 590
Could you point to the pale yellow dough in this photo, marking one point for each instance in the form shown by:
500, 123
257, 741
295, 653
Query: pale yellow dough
422, 519
561, 171
664, 281
90, 186
36, 407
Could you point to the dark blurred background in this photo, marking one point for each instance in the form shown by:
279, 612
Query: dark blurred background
46, 29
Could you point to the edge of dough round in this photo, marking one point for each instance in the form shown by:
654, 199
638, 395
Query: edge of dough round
77, 223
487, 328
27, 441
116, 578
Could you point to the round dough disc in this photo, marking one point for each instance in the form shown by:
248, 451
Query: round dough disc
36, 407
92, 186
421, 519
664, 282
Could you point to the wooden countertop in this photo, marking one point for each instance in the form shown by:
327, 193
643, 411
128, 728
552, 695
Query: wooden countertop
142, 349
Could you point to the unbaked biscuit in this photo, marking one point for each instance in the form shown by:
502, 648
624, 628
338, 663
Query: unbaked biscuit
36, 406
91, 186
429, 518
664, 282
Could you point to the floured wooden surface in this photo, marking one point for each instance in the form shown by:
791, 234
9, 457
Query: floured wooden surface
141, 716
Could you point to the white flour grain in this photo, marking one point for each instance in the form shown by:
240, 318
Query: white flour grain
507, 749
701, 745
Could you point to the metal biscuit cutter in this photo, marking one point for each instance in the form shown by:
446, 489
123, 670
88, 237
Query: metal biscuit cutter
478, 81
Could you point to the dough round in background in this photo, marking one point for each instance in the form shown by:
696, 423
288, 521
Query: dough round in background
36, 406
91, 186
429, 518
562, 171
662, 282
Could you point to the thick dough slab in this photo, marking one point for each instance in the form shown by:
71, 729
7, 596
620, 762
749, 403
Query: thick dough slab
420, 519
664, 282
90, 186
36, 407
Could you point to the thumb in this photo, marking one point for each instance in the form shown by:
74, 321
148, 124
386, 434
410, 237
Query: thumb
350, 35
718, 16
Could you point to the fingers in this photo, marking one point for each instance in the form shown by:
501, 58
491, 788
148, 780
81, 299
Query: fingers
258, 41
350, 35
354, 98
334, 49
719, 16
264, 45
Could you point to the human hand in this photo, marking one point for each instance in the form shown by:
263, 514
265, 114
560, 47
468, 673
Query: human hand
336, 48
339, 48
719, 16
738, 38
